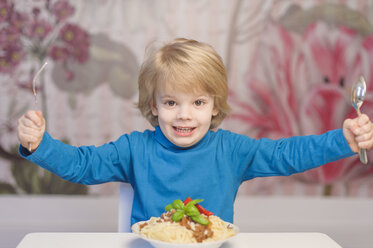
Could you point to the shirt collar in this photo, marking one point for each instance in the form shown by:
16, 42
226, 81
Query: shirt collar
162, 139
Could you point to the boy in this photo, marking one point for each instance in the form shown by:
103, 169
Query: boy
183, 93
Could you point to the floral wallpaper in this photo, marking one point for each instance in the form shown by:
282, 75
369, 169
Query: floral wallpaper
32, 36
300, 81
291, 65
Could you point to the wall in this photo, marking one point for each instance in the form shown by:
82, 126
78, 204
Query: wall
348, 221
285, 61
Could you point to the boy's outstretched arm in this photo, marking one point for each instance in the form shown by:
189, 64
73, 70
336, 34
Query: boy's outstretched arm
31, 128
359, 132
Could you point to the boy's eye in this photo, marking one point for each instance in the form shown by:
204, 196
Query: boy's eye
170, 103
199, 103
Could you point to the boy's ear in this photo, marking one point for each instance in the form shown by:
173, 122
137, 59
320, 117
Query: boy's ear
215, 111
154, 108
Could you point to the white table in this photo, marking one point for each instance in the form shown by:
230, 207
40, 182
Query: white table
121, 240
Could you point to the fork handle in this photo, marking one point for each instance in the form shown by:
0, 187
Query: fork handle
363, 156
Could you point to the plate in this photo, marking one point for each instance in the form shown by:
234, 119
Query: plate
162, 244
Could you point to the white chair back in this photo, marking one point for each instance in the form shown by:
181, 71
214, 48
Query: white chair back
125, 207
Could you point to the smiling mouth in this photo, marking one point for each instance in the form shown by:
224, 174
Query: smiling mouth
184, 131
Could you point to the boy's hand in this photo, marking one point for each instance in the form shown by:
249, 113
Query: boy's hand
31, 128
358, 132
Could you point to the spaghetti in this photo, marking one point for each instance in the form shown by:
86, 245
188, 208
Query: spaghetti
186, 231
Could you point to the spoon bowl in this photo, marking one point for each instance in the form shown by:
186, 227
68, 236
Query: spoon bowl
358, 94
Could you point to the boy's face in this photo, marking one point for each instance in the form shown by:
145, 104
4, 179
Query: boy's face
184, 118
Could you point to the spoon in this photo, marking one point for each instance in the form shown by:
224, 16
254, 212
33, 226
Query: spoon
357, 98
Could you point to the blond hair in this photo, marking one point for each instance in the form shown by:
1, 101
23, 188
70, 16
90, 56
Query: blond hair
185, 65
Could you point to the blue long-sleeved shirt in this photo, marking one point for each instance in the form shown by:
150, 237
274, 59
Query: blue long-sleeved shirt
212, 169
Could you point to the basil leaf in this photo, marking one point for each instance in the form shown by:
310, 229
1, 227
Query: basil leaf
200, 219
178, 215
195, 201
178, 204
191, 210
168, 207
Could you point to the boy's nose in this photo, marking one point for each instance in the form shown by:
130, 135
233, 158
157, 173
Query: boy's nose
184, 113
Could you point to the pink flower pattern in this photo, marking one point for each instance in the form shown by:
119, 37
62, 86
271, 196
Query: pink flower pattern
300, 85
62, 10
4, 11
76, 42
39, 29
32, 33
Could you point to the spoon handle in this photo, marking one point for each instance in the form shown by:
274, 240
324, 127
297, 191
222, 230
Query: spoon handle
362, 152
363, 156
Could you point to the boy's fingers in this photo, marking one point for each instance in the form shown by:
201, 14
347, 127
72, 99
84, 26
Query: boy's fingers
26, 122
29, 138
26, 139
347, 123
363, 119
31, 115
349, 133
28, 132
360, 128
366, 144
35, 117
364, 137
352, 125
366, 127
40, 115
